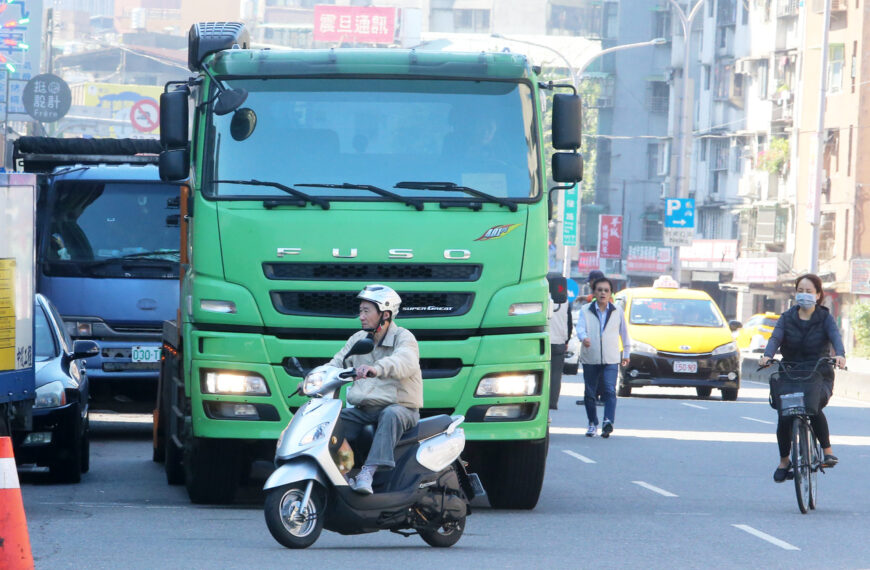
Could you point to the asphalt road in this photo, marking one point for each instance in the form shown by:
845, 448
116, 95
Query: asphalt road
682, 483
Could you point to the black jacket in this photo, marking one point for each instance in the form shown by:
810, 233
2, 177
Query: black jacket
806, 341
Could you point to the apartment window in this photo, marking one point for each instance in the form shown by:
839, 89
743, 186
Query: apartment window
827, 235
706, 77
836, 61
652, 227
849, 154
736, 95
719, 152
710, 7
611, 20
722, 80
584, 20
657, 157
661, 24
471, 20
762, 72
703, 152
657, 93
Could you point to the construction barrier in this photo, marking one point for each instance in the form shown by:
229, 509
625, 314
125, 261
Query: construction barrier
14, 539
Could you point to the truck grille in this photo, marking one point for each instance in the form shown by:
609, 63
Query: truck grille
345, 304
372, 271
430, 367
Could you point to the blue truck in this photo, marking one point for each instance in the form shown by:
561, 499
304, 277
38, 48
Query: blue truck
17, 392
107, 247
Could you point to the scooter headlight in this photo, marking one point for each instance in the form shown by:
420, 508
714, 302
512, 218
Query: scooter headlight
313, 383
318, 432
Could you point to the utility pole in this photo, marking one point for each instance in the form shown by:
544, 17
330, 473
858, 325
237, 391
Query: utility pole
814, 193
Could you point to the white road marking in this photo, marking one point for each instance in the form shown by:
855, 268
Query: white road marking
764, 536
114, 506
694, 406
654, 489
756, 420
576, 455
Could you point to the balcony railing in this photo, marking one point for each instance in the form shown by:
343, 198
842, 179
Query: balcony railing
786, 8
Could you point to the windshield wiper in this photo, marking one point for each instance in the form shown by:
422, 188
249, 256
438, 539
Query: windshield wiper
292, 191
374, 189
140, 256
451, 187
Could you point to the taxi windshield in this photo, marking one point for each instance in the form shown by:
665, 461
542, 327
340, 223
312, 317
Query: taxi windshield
674, 312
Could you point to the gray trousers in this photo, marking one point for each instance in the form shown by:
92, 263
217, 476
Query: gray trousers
557, 362
390, 424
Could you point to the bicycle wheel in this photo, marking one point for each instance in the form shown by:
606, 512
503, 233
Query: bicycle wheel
816, 462
800, 461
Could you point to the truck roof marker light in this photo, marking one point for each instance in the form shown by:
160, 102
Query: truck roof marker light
217, 306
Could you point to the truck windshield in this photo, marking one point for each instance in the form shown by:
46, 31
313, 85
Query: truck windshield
378, 132
111, 227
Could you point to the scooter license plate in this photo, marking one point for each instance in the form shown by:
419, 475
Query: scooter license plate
686, 366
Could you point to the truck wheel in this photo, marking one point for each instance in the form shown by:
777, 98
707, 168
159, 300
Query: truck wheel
513, 472
623, 390
729, 394
292, 524
211, 470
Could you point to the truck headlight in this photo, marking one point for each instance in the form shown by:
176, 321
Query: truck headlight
218, 382
725, 349
642, 347
525, 309
51, 395
508, 385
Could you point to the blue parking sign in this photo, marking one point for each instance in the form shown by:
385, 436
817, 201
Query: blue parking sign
680, 213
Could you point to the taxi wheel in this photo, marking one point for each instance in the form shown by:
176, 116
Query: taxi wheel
729, 394
704, 391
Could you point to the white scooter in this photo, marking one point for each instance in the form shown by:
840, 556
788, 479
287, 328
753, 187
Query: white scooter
427, 493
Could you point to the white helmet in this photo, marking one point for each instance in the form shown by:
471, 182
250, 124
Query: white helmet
382, 296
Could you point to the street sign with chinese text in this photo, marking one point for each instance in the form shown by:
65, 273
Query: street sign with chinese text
588, 261
569, 219
674, 237
648, 258
46, 98
609, 236
860, 276
354, 24
680, 213
709, 254
755, 270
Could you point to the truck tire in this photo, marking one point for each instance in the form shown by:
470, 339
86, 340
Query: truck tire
513, 472
211, 470
172, 462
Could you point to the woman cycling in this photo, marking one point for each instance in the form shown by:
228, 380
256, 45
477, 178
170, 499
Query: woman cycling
803, 334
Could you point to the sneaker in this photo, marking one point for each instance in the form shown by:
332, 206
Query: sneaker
592, 431
363, 482
606, 429
830, 461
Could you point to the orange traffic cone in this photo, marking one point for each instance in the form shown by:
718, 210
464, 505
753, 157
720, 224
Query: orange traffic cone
14, 540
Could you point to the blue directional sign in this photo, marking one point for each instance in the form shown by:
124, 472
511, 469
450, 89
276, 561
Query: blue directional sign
573, 289
680, 213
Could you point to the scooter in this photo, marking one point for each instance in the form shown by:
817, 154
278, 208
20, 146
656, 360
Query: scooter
427, 493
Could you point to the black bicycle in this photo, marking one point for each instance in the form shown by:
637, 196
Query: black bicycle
796, 392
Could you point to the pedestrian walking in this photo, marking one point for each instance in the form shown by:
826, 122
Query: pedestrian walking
600, 328
561, 327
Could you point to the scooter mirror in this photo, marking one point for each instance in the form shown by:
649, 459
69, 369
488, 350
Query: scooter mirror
362, 346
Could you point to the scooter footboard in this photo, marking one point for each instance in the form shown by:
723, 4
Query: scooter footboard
299, 469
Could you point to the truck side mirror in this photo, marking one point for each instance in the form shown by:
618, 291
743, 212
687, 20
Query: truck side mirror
174, 119
567, 121
174, 165
567, 167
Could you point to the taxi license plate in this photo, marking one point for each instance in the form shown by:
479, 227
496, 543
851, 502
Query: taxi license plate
145, 354
688, 366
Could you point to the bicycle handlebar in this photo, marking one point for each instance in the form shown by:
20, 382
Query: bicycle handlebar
825, 359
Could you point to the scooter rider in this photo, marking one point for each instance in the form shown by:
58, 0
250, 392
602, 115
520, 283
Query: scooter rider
388, 391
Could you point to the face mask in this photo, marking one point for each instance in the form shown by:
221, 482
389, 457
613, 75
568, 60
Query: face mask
805, 300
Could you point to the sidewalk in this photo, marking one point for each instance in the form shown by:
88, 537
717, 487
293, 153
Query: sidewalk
851, 383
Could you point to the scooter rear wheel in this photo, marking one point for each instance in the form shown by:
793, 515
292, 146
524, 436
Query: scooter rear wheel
444, 536
292, 524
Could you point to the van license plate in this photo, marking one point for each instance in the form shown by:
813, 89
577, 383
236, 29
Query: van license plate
145, 354
688, 366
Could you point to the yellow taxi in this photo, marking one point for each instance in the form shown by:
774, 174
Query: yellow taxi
755, 333
679, 338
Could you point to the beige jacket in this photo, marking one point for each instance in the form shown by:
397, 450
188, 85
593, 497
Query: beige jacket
397, 363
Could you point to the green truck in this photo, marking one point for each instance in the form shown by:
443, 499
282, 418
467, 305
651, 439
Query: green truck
313, 173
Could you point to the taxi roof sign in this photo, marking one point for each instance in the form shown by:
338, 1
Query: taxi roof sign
666, 282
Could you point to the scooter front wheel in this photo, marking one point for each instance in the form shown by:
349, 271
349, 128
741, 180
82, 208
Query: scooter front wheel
291, 523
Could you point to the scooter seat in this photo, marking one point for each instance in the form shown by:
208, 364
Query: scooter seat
426, 428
